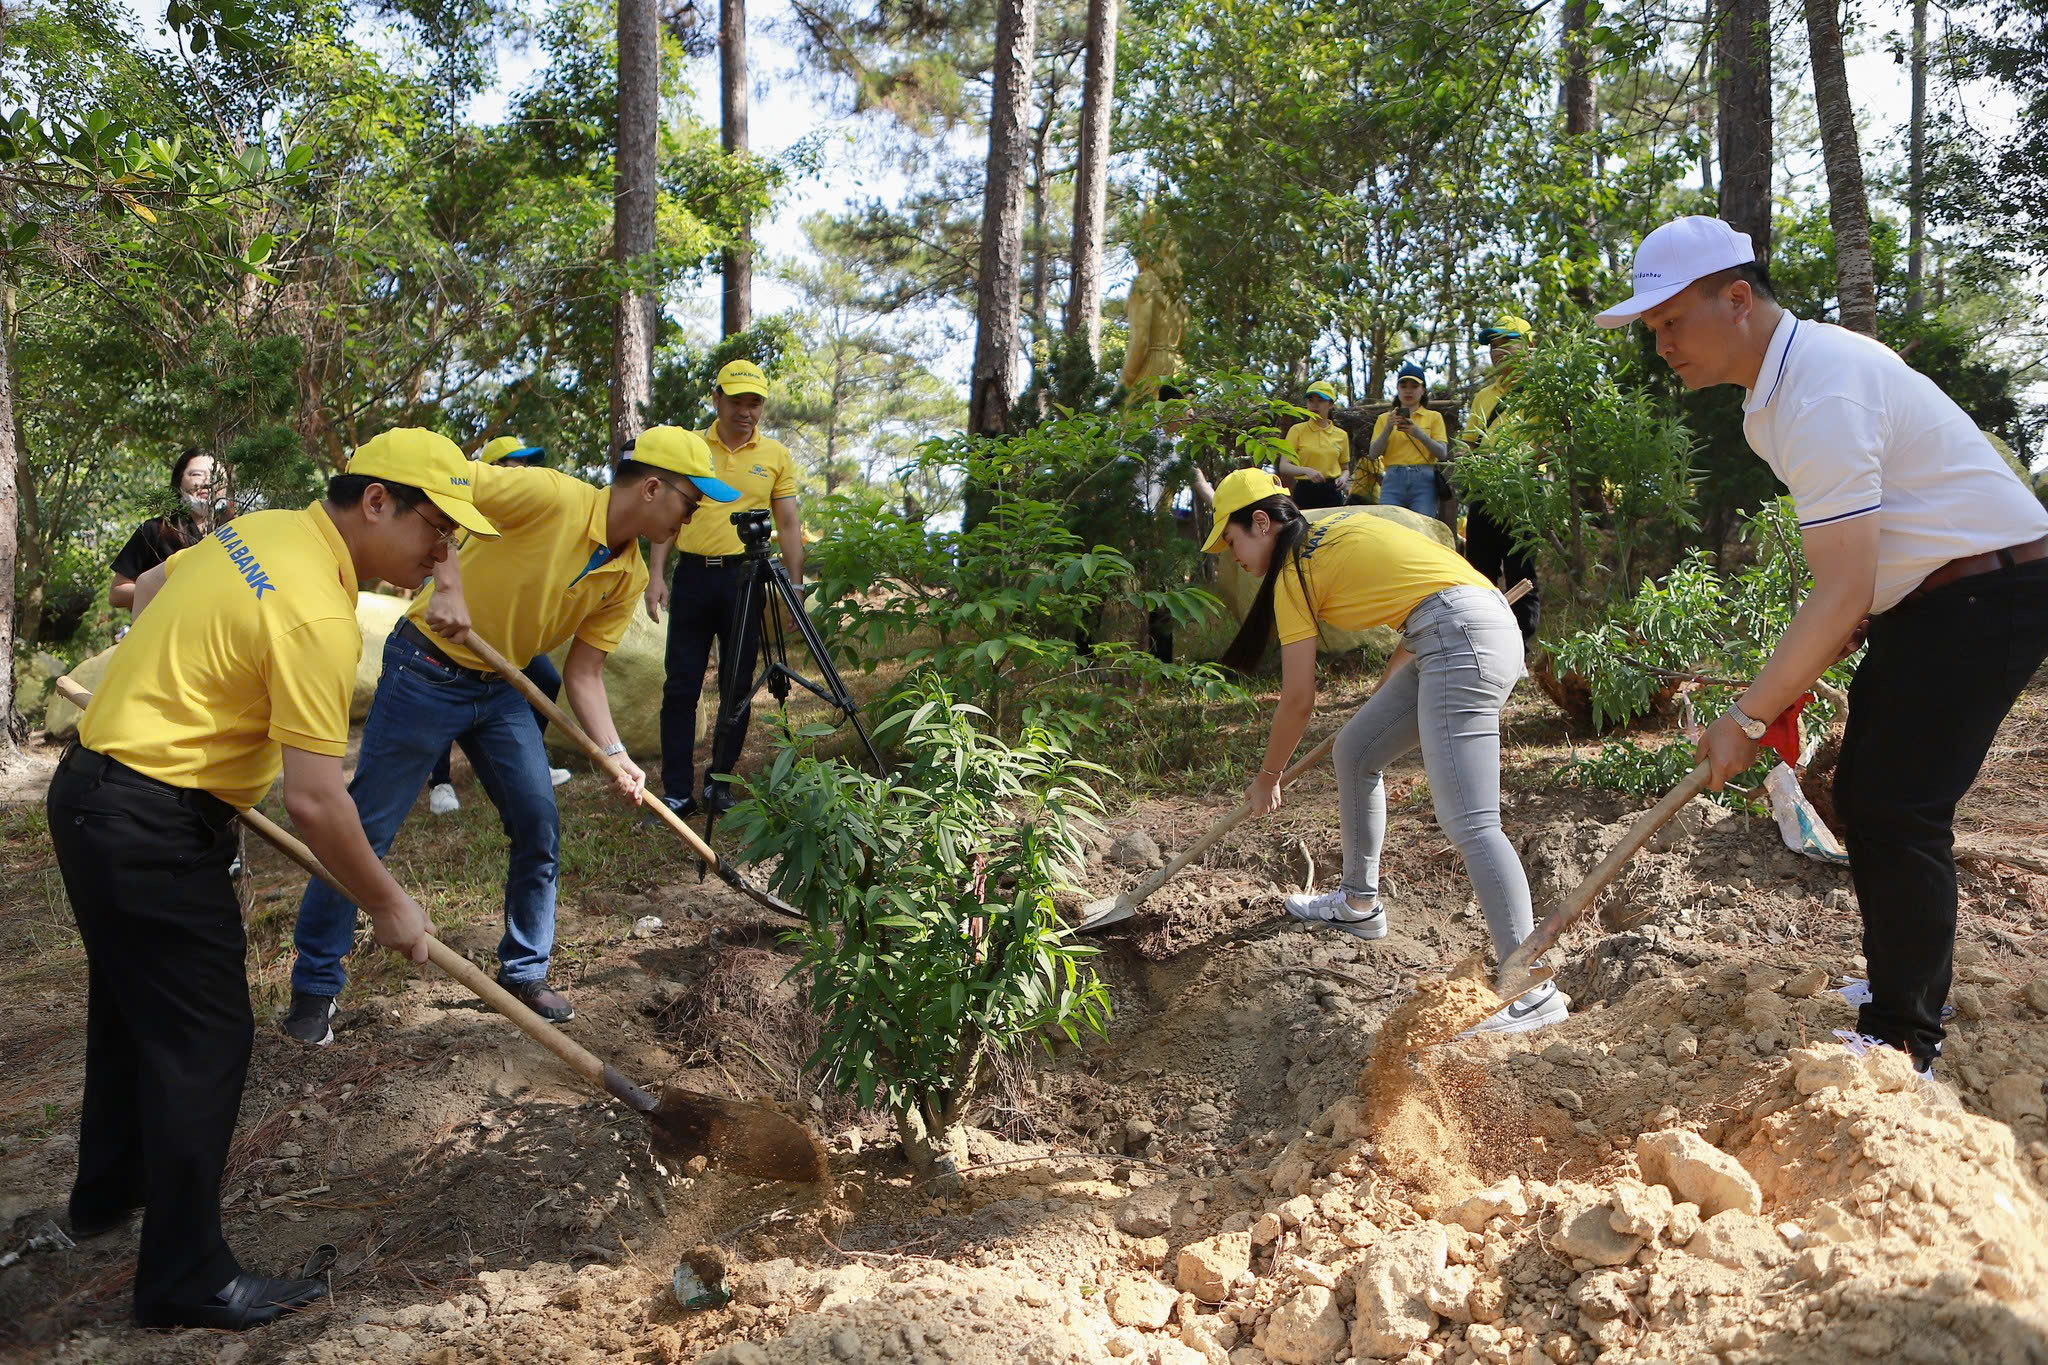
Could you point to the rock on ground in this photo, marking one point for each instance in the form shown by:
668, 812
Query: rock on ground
1697, 1171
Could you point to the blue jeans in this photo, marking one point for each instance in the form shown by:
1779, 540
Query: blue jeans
543, 674
1412, 486
1468, 657
420, 708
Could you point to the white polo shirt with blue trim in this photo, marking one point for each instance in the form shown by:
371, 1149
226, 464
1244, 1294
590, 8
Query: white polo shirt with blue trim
1854, 431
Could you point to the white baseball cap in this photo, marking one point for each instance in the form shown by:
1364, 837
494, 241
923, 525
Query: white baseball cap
1672, 257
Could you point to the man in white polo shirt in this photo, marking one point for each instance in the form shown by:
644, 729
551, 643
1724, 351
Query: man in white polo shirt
1910, 521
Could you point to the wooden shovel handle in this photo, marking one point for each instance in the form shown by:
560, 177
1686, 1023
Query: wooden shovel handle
464, 972
559, 718
1587, 891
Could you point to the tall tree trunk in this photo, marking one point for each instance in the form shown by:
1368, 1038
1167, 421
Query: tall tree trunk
997, 344
10, 723
1041, 245
1091, 180
1916, 167
633, 214
1745, 97
732, 102
1848, 202
1578, 116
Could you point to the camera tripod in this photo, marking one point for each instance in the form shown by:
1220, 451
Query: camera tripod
765, 581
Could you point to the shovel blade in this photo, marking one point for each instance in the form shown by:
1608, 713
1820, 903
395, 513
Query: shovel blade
750, 1138
1097, 914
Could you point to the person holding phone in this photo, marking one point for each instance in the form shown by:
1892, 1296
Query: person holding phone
1321, 451
1408, 441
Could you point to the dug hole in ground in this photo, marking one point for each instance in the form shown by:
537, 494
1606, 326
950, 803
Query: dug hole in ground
1690, 1169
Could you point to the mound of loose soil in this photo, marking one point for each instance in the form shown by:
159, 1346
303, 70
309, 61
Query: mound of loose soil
1688, 1169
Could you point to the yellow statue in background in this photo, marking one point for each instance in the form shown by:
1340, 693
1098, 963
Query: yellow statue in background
1157, 319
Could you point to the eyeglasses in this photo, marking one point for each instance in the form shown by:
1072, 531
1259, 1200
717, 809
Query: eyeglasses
441, 537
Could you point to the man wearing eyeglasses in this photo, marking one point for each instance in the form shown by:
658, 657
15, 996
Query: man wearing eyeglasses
566, 565
238, 671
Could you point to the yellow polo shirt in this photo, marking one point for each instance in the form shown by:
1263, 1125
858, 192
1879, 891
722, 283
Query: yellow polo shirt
1322, 446
548, 575
1485, 408
1401, 448
1363, 570
251, 643
762, 469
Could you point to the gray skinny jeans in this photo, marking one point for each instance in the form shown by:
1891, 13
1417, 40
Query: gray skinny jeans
1468, 657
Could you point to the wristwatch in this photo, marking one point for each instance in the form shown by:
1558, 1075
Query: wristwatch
613, 750
1746, 723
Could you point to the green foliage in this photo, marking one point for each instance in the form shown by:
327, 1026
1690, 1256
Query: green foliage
1011, 609
1587, 473
931, 939
1622, 765
1698, 621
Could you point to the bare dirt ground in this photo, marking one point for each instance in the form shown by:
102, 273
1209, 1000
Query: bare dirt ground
1689, 1170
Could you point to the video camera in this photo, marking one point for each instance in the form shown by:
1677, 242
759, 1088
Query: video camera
754, 525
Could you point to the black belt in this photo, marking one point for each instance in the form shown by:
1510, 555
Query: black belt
98, 767
709, 561
424, 643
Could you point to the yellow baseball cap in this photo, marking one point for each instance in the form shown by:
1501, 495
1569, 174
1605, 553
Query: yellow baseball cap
1506, 327
508, 448
742, 376
681, 451
1240, 488
1323, 388
430, 462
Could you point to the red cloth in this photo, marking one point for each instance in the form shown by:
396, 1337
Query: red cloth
1783, 734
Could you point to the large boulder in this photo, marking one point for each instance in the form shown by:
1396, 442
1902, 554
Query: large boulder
1237, 588
633, 677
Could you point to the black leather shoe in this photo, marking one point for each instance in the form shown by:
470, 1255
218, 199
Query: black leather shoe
683, 806
535, 995
248, 1301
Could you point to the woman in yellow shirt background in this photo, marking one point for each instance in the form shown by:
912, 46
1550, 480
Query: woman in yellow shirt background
1460, 657
1408, 440
1322, 452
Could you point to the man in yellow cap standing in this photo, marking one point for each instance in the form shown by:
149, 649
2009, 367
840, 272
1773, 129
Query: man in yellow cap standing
240, 665
508, 452
567, 565
707, 582
1489, 544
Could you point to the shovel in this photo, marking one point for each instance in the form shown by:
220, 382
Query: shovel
1441, 1009
1115, 909
1517, 976
558, 717
751, 1138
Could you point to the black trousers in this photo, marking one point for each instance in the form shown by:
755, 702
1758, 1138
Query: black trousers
544, 675
1927, 701
1309, 493
168, 1027
700, 607
1491, 550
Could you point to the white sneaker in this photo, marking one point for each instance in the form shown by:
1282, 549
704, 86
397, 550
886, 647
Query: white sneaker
1334, 908
557, 776
1540, 1008
1862, 1044
441, 799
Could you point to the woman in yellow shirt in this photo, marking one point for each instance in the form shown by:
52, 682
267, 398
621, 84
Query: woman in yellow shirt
1460, 657
1322, 452
1408, 440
